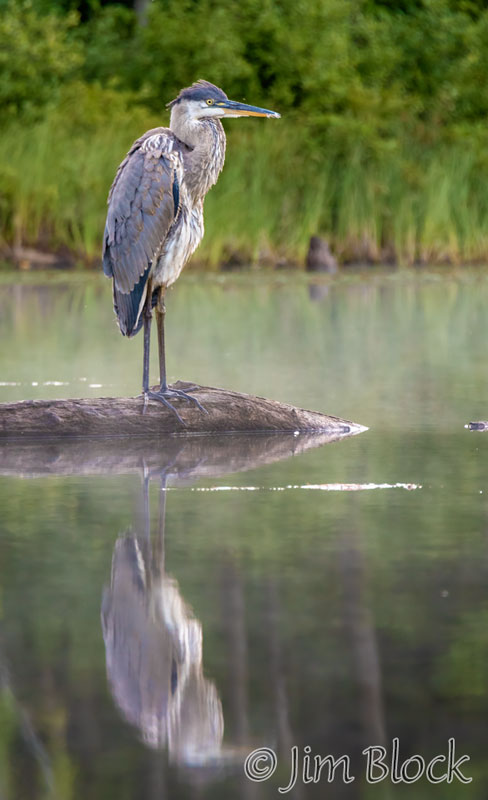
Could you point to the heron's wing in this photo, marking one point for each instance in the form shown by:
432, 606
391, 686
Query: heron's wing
142, 206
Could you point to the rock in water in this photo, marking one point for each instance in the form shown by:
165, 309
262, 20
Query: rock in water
319, 257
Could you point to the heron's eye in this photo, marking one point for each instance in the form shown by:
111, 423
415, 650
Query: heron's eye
210, 102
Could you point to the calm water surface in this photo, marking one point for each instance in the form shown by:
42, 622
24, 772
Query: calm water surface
166, 608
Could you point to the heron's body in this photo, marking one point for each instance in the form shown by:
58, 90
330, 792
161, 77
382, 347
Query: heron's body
155, 209
187, 231
161, 225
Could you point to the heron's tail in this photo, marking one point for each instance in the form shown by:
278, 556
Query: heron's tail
128, 307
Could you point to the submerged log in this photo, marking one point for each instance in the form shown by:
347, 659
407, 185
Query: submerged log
228, 412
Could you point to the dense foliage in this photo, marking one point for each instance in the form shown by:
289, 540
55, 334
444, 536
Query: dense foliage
383, 145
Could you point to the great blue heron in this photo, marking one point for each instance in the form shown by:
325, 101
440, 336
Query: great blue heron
155, 213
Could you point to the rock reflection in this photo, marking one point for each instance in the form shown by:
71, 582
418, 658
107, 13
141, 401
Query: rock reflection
153, 646
318, 291
185, 457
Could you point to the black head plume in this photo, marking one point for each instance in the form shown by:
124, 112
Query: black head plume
201, 90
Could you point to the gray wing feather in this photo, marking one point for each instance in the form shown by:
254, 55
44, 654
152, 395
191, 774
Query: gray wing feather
141, 211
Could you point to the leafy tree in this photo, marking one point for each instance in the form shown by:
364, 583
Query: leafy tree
36, 57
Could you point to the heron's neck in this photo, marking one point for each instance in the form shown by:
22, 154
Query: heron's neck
206, 138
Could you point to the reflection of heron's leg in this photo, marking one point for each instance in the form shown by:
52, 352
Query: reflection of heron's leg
164, 394
142, 539
146, 508
162, 520
158, 552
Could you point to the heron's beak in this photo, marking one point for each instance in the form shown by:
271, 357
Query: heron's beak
232, 109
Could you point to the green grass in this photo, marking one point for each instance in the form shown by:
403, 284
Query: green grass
276, 190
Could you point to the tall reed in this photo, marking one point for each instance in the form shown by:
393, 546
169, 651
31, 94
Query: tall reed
277, 189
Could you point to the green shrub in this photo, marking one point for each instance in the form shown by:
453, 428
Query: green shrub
36, 57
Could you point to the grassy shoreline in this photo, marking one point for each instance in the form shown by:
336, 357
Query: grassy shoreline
382, 147
274, 193
404, 203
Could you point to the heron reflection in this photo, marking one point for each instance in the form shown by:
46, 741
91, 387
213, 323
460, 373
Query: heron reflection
153, 645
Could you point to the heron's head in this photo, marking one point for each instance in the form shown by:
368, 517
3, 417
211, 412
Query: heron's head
203, 100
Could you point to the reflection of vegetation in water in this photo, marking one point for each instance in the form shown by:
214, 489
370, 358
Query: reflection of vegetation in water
234, 550
248, 546
390, 353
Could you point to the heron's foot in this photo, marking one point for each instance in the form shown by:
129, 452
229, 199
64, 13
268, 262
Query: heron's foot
166, 395
189, 387
184, 395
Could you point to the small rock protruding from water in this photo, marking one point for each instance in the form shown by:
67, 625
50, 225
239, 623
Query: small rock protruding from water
319, 256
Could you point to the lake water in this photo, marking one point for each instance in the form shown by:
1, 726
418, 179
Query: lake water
166, 608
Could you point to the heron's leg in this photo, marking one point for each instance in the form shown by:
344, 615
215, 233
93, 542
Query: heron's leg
147, 340
165, 393
160, 315
147, 319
